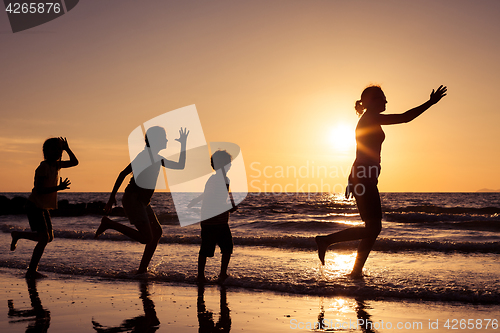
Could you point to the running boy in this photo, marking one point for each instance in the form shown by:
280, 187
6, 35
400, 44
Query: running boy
43, 198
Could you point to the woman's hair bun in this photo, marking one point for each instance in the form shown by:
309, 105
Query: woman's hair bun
360, 109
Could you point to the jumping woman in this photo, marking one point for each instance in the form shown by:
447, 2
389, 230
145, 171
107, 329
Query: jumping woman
363, 179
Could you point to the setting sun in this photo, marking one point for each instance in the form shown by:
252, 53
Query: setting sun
342, 137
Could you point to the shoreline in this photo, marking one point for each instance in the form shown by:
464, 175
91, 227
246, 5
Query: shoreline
82, 304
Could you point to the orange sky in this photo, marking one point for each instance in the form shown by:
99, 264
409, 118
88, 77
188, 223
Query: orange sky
275, 77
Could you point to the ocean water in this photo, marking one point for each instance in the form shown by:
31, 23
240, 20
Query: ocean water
433, 246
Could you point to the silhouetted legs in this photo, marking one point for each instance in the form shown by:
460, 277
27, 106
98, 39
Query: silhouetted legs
370, 210
42, 240
226, 257
368, 234
364, 249
202, 261
224, 264
212, 235
148, 229
154, 231
135, 234
35, 258
43, 234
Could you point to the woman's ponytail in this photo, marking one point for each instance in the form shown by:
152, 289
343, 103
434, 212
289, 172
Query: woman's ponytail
360, 109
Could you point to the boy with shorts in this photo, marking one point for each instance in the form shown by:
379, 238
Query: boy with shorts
215, 211
43, 198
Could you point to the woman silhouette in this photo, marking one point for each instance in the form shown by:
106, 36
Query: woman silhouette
366, 169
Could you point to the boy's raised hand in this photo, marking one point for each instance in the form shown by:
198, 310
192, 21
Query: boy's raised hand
182, 136
64, 143
64, 184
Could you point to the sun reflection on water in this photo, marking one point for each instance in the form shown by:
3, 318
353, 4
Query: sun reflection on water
337, 266
341, 262
340, 305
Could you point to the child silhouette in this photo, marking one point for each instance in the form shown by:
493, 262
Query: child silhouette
43, 198
138, 193
215, 211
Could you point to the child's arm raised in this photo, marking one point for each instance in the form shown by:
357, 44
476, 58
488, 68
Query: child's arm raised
182, 158
121, 177
73, 161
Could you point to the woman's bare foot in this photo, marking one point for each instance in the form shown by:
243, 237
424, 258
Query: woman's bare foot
102, 227
15, 238
141, 271
143, 275
321, 249
355, 275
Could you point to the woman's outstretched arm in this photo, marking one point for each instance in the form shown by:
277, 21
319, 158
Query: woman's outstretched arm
392, 119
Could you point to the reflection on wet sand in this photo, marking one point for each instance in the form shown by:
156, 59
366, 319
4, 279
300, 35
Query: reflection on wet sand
38, 317
148, 322
363, 323
206, 317
364, 317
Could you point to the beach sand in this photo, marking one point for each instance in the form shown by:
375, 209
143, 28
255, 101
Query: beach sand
65, 303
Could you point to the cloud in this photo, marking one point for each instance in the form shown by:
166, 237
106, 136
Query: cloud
18, 145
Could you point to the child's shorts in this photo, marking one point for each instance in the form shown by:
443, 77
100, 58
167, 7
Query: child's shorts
216, 234
138, 213
38, 218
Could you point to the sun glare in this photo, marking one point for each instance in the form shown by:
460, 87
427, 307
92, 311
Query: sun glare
342, 262
342, 138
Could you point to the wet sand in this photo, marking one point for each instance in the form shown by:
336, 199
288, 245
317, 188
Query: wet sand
65, 303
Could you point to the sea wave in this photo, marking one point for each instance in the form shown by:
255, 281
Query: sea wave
492, 221
446, 210
295, 242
